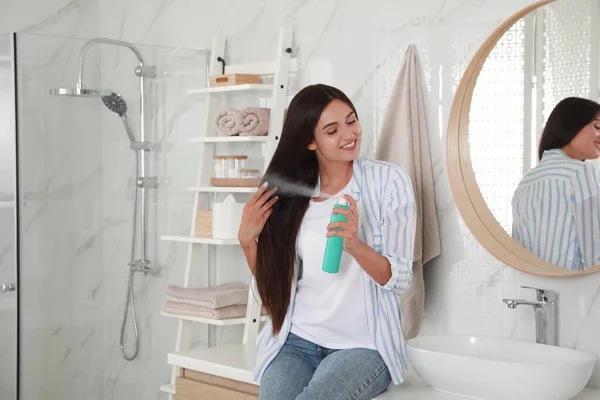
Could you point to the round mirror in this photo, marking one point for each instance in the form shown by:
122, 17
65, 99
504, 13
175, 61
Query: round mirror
524, 140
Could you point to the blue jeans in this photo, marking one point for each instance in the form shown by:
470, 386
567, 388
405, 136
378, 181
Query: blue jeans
305, 371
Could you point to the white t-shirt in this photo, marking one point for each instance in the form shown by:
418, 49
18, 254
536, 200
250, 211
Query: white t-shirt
330, 309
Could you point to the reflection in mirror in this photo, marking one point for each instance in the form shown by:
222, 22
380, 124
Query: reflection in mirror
551, 207
556, 206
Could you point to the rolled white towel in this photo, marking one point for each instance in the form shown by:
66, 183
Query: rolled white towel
255, 121
228, 122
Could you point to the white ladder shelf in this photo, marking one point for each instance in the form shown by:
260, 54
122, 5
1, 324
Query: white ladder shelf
232, 361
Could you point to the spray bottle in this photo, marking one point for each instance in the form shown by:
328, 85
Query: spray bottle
335, 244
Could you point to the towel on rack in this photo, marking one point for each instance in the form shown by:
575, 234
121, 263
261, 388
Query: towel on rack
404, 140
255, 121
202, 312
212, 297
228, 122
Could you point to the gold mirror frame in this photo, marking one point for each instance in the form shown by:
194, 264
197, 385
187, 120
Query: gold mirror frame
469, 200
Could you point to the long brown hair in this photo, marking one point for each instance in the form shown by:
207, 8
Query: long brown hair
292, 163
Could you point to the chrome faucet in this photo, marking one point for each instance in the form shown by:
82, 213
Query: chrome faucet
545, 314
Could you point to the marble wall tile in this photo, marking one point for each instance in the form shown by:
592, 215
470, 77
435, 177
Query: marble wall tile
66, 18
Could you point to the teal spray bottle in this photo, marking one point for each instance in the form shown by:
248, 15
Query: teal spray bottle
335, 244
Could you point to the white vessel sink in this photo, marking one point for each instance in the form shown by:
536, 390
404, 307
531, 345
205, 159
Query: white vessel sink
486, 368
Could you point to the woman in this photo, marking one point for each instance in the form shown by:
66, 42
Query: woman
329, 336
556, 207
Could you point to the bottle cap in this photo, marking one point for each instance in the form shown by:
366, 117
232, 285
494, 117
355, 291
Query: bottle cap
342, 201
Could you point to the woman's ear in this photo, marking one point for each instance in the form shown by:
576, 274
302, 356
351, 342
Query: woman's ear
312, 146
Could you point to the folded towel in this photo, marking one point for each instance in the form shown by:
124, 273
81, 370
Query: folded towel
201, 312
228, 122
255, 121
212, 297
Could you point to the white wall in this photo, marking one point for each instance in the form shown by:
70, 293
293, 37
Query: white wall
68, 18
357, 46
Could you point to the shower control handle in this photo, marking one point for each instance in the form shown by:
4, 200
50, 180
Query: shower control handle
7, 287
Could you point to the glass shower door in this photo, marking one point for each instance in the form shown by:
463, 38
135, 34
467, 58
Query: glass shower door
8, 226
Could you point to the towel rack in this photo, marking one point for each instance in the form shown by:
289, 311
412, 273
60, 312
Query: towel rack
233, 362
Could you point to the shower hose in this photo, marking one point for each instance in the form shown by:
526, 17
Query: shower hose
130, 299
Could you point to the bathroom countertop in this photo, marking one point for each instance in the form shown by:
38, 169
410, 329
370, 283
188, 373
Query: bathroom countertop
414, 388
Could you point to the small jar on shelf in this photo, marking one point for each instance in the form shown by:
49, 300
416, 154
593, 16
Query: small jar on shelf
228, 167
249, 173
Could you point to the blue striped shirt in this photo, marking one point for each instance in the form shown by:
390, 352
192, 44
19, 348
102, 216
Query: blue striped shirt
387, 223
556, 211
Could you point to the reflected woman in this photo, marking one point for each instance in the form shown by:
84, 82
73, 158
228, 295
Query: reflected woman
556, 207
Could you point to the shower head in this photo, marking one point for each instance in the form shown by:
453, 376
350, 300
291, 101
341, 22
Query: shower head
72, 92
115, 103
